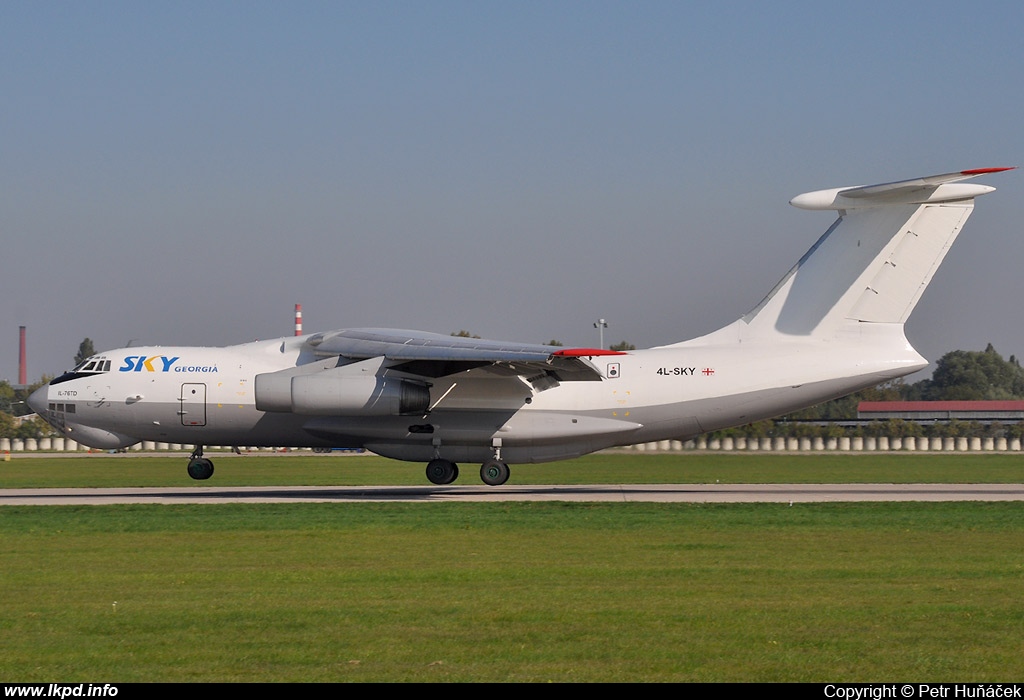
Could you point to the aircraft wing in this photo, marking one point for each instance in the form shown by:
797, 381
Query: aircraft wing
436, 355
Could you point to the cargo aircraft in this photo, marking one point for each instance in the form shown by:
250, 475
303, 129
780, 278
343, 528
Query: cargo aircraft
831, 326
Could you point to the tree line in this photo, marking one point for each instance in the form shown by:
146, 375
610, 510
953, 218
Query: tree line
960, 375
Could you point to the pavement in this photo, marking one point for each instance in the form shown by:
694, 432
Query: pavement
611, 493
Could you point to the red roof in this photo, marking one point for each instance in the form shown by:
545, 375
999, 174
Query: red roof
904, 406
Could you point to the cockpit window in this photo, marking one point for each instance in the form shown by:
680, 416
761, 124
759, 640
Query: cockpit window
88, 368
94, 364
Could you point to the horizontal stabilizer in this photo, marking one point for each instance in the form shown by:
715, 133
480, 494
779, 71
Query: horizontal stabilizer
931, 189
874, 262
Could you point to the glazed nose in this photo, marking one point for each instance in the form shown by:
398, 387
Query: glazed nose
38, 400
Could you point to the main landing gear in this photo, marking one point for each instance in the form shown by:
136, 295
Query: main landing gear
199, 467
493, 472
441, 471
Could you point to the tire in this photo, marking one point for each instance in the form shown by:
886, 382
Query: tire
442, 472
494, 472
200, 468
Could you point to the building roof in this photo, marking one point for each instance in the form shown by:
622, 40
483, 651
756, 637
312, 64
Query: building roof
931, 406
982, 411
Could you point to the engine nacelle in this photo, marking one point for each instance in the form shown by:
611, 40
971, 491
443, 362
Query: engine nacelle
341, 394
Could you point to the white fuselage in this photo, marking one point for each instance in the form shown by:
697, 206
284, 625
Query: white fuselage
207, 396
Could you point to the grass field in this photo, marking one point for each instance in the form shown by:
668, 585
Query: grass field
513, 591
616, 468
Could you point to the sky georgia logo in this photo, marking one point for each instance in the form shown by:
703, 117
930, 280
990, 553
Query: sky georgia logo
156, 363
160, 363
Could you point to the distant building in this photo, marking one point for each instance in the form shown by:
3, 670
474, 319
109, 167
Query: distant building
944, 411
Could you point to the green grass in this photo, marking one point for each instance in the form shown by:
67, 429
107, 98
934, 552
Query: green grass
513, 592
622, 467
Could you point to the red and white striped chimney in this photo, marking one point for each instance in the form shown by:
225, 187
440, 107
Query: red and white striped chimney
298, 319
22, 359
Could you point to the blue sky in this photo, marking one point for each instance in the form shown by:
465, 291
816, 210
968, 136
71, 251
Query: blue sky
184, 173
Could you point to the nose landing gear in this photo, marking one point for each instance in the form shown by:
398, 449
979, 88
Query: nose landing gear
199, 467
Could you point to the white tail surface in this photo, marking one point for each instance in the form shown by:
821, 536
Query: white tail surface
870, 266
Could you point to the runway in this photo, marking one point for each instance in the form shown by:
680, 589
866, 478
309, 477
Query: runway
611, 493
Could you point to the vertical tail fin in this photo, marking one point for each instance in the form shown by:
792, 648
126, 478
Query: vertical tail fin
874, 262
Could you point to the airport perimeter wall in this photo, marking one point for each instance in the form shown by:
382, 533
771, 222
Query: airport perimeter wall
725, 444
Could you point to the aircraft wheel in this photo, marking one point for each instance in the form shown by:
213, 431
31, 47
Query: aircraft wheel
441, 471
494, 472
200, 468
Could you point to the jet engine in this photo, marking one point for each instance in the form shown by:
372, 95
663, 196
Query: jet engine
340, 393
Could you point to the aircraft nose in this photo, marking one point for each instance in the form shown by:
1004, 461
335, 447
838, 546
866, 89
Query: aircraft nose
38, 400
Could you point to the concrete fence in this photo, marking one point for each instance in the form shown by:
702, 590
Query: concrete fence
843, 444
725, 444
59, 444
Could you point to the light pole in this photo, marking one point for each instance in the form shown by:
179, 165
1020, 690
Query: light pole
600, 326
